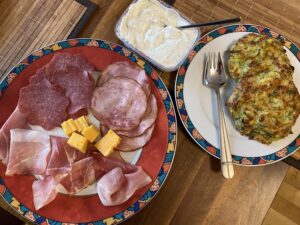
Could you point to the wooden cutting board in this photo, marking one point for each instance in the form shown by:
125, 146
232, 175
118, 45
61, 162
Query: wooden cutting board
27, 25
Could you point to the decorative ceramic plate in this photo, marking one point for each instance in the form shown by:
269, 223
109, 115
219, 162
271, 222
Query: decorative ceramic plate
155, 158
197, 107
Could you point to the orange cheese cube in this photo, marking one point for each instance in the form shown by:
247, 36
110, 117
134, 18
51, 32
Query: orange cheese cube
81, 123
78, 141
69, 126
107, 143
91, 133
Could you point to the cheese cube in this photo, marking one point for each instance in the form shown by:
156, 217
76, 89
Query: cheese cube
69, 126
91, 133
81, 123
107, 144
78, 141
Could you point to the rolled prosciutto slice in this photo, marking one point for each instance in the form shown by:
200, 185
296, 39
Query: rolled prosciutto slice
29, 151
120, 103
117, 186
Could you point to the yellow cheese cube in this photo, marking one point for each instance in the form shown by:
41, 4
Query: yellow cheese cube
81, 123
91, 133
78, 141
69, 126
107, 144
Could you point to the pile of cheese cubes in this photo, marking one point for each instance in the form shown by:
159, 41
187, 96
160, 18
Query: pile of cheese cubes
81, 133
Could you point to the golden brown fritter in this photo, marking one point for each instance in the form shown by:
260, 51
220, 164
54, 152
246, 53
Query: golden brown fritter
265, 103
265, 107
255, 54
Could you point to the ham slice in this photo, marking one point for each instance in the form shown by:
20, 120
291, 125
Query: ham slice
116, 187
116, 155
45, 190
82, 174
146, 122
120, 103
29, 151
71, 72
16, 120
133, 143
127, 70
43, 104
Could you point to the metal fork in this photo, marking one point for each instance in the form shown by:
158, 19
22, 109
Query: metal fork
214, 77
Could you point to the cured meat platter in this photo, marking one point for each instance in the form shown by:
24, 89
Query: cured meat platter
53, 175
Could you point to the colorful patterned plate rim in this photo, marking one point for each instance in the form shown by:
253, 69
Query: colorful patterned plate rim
166, 106
181, 104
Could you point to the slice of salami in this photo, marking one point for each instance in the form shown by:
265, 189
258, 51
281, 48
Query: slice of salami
71, 72
43, 104
78, 87
125, 69
63, 62
147, 121
39, 76
132, 143
120, 103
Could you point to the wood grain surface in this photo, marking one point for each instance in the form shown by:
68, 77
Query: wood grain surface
285, 208
27, 25
195, 191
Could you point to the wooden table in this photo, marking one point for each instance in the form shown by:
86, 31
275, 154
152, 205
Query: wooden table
195, 191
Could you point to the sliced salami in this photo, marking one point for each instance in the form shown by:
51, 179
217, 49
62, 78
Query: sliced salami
62, 62
39, 76
125, 69
120, 103
78, 87
43, 104
71, 73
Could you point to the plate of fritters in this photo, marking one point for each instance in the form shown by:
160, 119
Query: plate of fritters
261, 99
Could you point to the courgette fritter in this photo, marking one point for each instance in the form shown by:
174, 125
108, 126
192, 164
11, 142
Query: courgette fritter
265, 107
265, 103
255, 54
